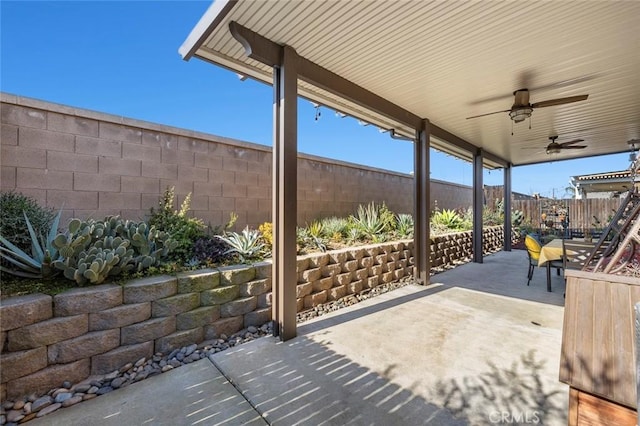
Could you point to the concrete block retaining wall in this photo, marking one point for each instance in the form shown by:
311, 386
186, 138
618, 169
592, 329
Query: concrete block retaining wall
46, 340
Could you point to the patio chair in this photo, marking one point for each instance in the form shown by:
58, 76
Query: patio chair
576, 253
533, 252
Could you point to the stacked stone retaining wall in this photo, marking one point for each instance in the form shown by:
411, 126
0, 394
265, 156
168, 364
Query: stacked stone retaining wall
46, 340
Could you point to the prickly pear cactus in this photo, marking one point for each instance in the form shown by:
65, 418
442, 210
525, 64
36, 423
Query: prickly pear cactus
517, 216
93, 250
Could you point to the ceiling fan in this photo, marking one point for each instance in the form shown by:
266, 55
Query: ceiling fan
555, 147
522, 109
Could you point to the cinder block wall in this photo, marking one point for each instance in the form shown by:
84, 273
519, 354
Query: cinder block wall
46, 340
97, 164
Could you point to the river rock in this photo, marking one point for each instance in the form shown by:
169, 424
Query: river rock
117, 382
50, 409
14, 416
104, 390
82, 388
28, 417
41, 403
72, 401
62, 397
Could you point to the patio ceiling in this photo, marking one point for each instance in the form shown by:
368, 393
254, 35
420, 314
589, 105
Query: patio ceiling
446, 61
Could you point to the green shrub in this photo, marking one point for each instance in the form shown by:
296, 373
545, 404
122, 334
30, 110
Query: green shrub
184, 230
13, 227
387, 217
209, 250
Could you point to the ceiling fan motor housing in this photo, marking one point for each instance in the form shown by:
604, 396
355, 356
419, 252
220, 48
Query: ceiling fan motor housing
521, 98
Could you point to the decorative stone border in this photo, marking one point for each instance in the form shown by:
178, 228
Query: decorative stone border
95, 330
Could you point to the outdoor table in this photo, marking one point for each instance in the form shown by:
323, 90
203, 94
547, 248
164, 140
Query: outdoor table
549, 252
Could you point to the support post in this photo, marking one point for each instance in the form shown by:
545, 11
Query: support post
478, 204
507, 208
285, 172
421, 198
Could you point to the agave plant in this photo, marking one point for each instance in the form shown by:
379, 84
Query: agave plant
369, 222
246, 245
449, 218
335, 228
43, 253
404, 225
315, 229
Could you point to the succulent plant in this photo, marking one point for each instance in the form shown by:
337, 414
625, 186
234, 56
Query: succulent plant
246, 245
43, 253
92, 250
517, 216
369, 221
404, 225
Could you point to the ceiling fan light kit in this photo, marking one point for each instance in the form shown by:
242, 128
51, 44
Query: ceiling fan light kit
522, 109
555, 147
519, 114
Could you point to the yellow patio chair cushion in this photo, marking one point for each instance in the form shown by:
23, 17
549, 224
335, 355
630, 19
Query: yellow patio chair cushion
533, 247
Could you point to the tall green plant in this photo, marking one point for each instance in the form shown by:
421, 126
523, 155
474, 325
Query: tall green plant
184, 230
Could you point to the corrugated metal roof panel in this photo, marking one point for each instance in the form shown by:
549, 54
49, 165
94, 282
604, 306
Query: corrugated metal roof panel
446, 61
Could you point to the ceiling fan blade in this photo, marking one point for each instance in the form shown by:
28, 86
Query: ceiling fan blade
573, 147
559, 101
564, 144
489, 113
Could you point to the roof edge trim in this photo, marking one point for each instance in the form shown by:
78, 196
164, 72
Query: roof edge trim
214, 15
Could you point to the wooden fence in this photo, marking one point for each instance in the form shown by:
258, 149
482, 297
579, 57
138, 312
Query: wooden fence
581, 212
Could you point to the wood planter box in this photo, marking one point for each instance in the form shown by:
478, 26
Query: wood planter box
598, 359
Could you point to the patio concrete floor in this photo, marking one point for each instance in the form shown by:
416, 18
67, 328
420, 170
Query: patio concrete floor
476, 347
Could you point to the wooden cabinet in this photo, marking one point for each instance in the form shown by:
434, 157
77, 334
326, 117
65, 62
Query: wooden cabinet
598, 359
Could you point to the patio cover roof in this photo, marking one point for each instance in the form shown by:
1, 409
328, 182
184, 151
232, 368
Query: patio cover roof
446, 61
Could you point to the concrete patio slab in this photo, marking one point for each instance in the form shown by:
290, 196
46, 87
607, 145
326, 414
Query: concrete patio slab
194, 394
436, 355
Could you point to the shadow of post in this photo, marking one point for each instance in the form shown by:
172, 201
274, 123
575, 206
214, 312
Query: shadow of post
305, 383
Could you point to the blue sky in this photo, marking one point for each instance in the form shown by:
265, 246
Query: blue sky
122, 58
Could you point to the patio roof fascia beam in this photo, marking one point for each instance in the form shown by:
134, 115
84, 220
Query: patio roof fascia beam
447, 136
211, 19
268, 52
